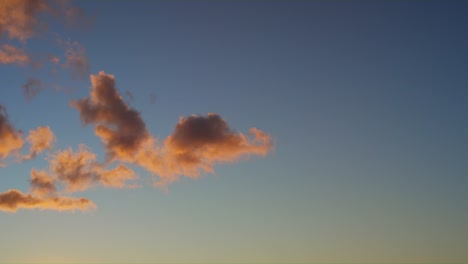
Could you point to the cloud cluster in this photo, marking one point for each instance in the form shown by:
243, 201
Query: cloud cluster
21, 20
196, 144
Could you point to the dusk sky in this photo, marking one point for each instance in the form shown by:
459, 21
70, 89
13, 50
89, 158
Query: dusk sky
233, 132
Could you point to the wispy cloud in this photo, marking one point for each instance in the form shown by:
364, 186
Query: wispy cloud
75, 59
79, 170
12, 55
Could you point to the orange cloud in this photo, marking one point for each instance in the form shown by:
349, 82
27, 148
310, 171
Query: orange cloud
12, 200
120, 128
79, 170
10, 138
117, 177
42, 184
195, 146
12, 55
199, 142
40, 139
18, 18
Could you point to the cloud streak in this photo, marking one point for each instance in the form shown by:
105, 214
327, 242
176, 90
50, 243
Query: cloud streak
13, 200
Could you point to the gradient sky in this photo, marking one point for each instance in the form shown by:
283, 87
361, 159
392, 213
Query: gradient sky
366, 103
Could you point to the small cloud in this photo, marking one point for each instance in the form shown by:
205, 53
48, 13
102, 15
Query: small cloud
75, 59
42, 184
32, 87
13, 200
40, 139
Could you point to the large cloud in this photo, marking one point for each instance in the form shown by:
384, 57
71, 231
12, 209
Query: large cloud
10, 138
12, 200
197, 143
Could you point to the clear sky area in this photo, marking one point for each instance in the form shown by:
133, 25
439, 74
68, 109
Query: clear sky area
233, 132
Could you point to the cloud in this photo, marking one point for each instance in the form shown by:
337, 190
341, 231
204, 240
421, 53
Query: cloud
10, 138
196, 144
32, 87
199, 142
42, 184
40, 139
12, 55
76, 60
18, 18
120, 128
79, 170
116, 177
12, 200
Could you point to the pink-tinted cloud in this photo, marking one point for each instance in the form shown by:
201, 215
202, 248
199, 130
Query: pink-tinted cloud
12, 200
40, 139
10, 138
12, 55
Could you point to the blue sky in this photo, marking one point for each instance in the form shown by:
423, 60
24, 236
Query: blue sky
366, 103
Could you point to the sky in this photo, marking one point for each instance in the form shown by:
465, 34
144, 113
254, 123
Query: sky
233, 132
